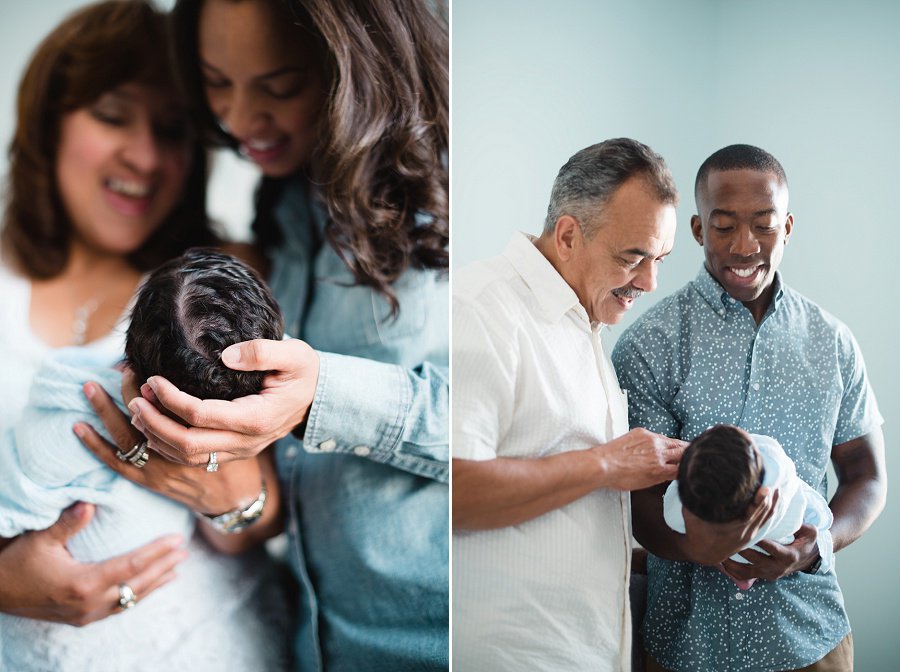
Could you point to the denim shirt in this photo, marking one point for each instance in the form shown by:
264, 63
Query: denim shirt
366, 489
696, 359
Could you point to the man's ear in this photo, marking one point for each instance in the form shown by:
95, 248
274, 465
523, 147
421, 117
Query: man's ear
567, 236
697, 229
788, 227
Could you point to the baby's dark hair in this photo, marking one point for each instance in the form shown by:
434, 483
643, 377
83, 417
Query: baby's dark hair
719, 474
192, 308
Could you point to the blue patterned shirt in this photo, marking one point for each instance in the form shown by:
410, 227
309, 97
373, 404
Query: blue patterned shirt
696, 359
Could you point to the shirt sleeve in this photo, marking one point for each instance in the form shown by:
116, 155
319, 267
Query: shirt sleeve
485, 363
382, 412
858, 414
646, 375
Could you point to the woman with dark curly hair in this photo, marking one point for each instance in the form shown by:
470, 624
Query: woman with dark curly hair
343, 106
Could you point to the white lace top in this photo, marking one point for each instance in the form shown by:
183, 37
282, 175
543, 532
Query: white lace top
21, 351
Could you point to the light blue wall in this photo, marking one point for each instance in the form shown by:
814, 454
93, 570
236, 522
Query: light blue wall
815, 83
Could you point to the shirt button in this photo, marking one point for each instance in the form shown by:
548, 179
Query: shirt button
738, 596
721, 311
328, 446
755, 386
362, 451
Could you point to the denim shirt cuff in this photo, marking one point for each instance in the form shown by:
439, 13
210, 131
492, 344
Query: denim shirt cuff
381, 412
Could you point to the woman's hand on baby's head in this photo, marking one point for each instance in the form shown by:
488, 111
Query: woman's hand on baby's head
189, 429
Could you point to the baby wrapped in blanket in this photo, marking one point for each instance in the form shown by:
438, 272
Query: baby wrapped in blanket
221, 613
719, 474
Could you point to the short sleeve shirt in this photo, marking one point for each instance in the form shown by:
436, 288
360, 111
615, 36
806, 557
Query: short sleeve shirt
531, 379
696, 359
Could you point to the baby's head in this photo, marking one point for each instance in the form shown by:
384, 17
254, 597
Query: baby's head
719, 474
188, 311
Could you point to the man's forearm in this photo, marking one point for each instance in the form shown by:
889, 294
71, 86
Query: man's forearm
650, 528
508, 491
702, 544
862, 487
855, 506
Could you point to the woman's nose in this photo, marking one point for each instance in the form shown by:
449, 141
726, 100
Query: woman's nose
239, 114
142, 151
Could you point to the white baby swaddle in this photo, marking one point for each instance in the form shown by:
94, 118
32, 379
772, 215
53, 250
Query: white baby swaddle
797, 503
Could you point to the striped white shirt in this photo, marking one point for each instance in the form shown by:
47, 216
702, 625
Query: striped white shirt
531, 379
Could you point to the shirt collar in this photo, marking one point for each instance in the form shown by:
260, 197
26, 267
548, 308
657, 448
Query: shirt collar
553, 294
716, 296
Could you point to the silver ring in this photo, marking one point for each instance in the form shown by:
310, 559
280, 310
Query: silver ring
127, 457
212, 465
139, 459
127, 598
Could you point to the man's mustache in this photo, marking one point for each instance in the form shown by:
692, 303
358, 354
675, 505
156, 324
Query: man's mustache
628, 292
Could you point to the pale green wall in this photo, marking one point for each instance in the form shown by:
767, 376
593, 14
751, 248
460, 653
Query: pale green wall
815, 83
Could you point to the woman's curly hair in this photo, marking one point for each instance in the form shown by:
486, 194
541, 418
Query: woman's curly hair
381, 158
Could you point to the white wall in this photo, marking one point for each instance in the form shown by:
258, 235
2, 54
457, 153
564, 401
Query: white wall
815, 83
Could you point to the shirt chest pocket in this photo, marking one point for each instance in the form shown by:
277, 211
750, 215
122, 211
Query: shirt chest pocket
349, 319
618, 410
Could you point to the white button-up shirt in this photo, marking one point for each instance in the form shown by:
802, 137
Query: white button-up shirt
531, 379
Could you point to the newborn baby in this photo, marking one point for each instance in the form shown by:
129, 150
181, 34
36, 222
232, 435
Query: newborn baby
222, 613
718, 477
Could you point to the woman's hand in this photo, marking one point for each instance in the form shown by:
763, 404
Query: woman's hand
232, 486
232, 429
40, 579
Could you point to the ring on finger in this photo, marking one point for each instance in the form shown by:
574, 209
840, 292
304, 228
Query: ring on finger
127, 457
127, 598
212, 465
139, 459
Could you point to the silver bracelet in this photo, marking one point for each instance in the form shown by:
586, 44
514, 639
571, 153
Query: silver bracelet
233, 522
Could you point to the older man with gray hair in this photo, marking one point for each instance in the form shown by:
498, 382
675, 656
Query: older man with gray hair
543, 461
